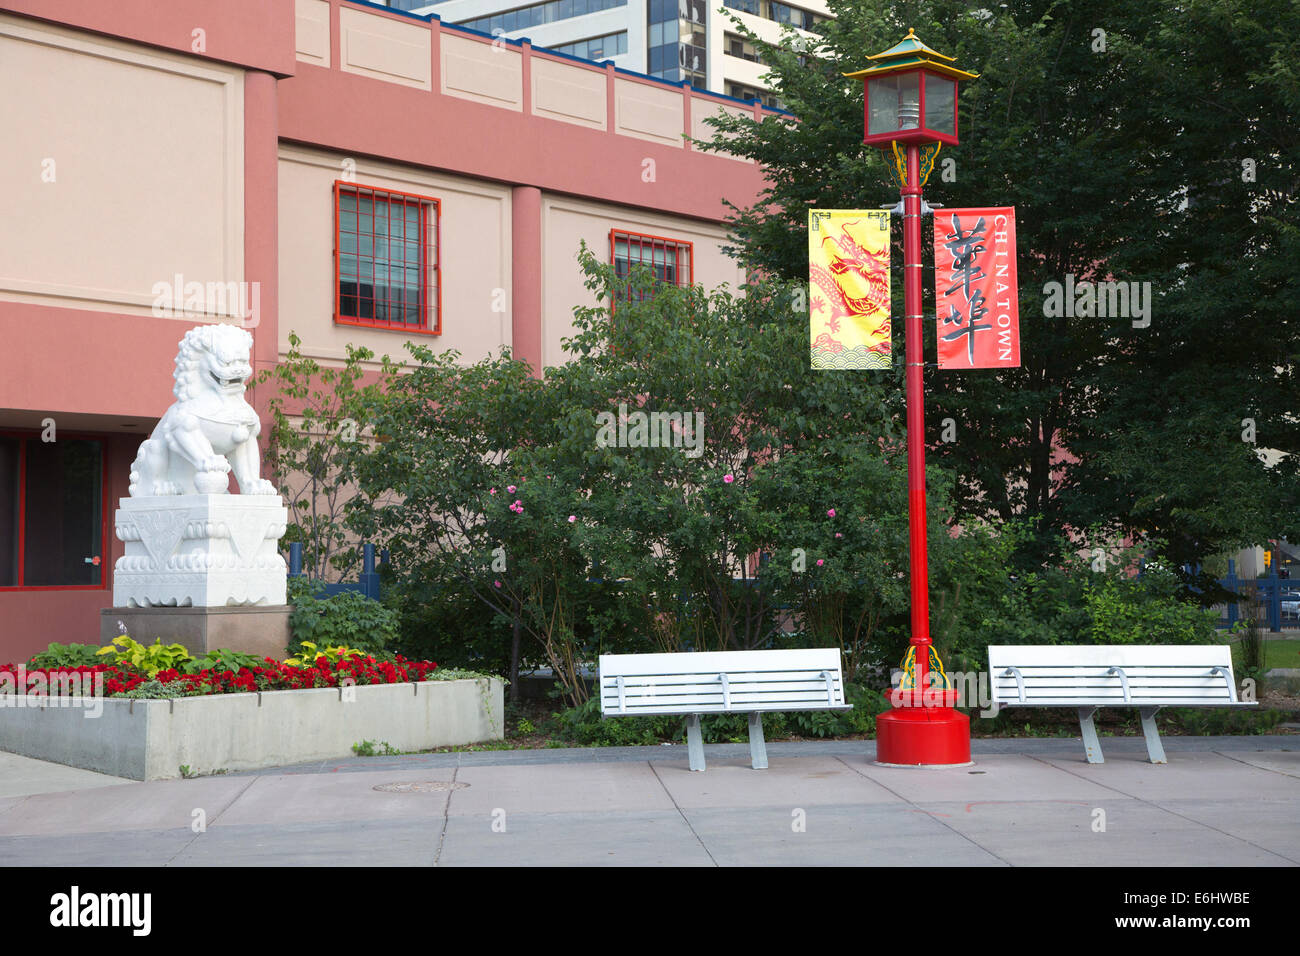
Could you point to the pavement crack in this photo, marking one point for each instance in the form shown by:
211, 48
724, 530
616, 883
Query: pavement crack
919, 809
1182, 816
446, 815
1255, 766
207, 823
682, 813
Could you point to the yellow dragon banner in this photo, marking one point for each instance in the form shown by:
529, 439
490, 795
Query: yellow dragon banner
848, 288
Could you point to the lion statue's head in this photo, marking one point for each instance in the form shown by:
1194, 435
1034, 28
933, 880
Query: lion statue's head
213, 358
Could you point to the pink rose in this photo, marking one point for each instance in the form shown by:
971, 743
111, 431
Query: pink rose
572, 518
728, 479
819, 562
831, 513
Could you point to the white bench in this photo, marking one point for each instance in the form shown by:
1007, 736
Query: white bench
1087, 677
721, 682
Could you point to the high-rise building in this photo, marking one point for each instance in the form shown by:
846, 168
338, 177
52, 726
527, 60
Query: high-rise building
678, 40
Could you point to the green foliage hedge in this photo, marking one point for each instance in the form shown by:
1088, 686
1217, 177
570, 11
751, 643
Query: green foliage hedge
349, 618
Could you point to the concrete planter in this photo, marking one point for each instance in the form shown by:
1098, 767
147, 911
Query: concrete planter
153, 739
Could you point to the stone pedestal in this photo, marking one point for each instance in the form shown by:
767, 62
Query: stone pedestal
263, 631
203, 571
201, 551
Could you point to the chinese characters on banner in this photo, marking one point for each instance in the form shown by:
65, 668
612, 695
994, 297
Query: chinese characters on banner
848, 288
976, 302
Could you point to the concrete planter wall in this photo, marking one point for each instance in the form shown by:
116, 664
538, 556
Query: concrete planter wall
152, 739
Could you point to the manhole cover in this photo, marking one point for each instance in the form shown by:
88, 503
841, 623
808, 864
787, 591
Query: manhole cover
424, 786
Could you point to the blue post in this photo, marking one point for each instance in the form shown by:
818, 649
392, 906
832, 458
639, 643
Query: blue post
368, 579
295, 559
1274, 602
1231, 582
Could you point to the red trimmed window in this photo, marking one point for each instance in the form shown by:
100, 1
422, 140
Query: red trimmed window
671, 260
53, 512
386, 270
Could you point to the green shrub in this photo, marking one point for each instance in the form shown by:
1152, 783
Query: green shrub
67, 655
156, 690
1229, 721
584, 725
222, 659
350, 619
451, 624
1145, 610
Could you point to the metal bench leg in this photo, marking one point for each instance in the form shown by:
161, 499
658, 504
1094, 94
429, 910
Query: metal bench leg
757, 745
1091, 745
694, 742
1155, 749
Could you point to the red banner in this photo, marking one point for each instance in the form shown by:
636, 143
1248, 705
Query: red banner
976, 303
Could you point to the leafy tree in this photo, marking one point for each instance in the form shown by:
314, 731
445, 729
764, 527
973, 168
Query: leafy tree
319, 421
542, 498
1121, 133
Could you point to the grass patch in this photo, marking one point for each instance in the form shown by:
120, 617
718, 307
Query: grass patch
1277, 653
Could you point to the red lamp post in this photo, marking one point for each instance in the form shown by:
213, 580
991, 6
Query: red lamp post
910, 112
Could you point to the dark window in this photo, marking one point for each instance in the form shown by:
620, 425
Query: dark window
669, 259
51, 512
386, 254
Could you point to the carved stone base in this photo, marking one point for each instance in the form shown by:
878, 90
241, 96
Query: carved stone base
263, 631
200, 551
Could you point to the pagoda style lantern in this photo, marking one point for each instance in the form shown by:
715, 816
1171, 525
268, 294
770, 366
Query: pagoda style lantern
911, 113
911, 95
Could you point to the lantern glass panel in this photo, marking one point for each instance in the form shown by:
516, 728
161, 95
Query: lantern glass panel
940, 97
882, 95
895, 103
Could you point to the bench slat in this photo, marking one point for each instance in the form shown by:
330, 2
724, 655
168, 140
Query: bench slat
702, 662
691, 683
734, 677
765, 707
764, 687
1158, 675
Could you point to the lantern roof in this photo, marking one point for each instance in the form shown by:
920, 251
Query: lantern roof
910, 53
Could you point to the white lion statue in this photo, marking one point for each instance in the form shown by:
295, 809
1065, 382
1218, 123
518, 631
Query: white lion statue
210, 430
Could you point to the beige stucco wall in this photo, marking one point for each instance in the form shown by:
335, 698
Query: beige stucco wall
567, 221
122, 166
474, 254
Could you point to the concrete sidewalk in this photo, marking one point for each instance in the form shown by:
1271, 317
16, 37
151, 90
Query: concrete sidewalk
1220, 801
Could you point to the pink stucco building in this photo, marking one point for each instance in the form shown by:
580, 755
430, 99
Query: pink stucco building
330, 168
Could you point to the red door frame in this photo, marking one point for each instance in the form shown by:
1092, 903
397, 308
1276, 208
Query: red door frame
104, 540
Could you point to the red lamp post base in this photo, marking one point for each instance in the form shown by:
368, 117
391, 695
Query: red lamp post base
923, 737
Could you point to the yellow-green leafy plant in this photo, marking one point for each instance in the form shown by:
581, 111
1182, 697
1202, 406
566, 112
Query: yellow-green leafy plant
148, 659
310, 653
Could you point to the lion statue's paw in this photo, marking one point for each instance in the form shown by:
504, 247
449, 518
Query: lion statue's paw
211, 482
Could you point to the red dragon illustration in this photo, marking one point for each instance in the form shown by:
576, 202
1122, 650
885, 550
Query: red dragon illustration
857, 281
